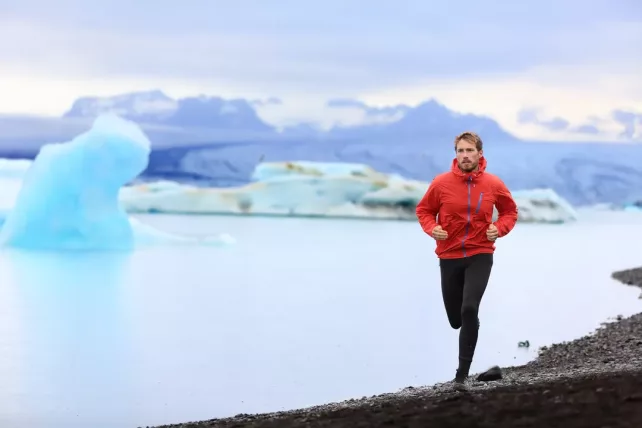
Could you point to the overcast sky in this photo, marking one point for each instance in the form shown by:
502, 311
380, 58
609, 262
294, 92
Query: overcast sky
541, 68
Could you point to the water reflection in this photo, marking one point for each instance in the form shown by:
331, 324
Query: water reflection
73, 337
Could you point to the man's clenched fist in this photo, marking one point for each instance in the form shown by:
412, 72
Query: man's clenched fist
439, 234
492, 233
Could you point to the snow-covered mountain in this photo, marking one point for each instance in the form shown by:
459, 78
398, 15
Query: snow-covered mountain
218, 142
200, 120
138, 106
156, 108
429, 119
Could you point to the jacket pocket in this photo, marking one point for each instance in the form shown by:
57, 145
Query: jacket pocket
483, 209
479, 202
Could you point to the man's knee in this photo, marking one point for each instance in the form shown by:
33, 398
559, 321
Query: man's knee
455, 321
470, 312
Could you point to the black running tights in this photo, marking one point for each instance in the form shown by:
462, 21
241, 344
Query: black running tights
463, 283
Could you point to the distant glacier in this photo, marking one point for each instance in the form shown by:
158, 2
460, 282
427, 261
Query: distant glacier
582, 173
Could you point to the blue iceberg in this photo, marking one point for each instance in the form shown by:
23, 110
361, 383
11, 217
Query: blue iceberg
69, 198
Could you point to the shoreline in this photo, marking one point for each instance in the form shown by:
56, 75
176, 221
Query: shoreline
593, 381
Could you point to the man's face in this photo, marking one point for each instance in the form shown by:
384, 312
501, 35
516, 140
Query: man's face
467, 156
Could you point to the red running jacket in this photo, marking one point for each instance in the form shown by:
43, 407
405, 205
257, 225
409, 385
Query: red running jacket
462, 204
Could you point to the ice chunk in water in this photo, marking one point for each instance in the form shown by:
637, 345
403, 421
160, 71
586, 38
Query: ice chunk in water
69, 196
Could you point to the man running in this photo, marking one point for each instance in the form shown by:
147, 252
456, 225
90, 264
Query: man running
463, 199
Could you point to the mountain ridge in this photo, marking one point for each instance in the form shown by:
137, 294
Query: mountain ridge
188, 147
155, 107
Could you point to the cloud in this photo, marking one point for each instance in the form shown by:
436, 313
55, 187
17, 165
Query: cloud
573, 94
632, 123
587, 129
368, 110
491, 58
346, 102
362, 114
266, 102
531, 115
337, 46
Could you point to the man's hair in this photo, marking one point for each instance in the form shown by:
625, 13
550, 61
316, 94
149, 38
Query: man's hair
471, 137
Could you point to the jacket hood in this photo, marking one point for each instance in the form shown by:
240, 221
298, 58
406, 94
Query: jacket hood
454, 168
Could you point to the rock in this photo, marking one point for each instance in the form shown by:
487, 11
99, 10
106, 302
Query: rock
492, 374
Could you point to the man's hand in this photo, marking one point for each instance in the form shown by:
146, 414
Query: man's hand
492, 233
439, 234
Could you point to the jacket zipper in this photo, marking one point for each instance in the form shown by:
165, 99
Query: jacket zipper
479, 202
463, 241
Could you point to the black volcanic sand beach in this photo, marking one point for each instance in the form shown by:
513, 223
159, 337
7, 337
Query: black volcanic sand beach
591, 382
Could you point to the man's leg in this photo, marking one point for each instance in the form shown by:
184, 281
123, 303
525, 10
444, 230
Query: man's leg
452, 288
476, 279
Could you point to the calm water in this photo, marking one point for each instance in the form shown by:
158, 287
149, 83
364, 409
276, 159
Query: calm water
298, 313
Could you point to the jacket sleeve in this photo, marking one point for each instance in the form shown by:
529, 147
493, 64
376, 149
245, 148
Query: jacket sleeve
506, 208
428, 208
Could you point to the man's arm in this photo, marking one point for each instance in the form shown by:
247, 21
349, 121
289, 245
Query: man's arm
506, 208
428, 207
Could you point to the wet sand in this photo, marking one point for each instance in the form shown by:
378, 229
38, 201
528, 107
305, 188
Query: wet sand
594, 381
